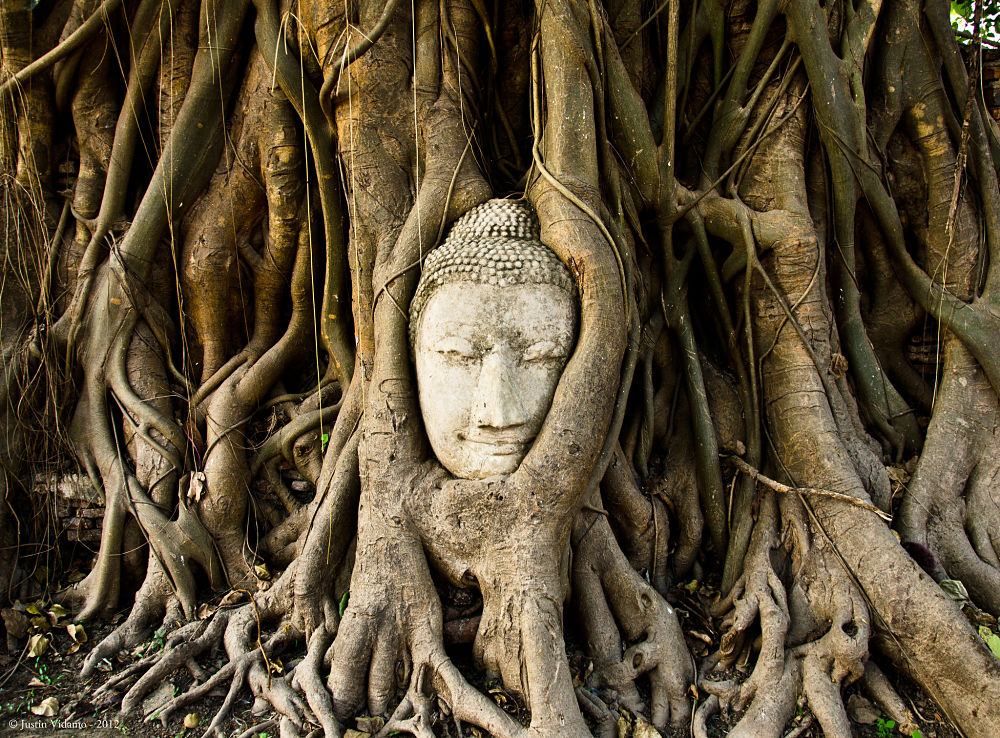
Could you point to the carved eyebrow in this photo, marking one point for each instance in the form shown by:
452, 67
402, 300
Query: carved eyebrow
549, 331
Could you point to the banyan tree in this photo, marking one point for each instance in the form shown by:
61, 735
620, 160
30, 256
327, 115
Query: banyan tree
401, 341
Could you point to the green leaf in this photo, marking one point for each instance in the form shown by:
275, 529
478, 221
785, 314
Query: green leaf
916, 734
956, 590
991, 638
343, 603
325, 438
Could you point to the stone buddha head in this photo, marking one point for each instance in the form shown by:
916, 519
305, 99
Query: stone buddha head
492, 324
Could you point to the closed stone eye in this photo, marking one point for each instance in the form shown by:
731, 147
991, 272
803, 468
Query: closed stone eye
456, 348
543, 351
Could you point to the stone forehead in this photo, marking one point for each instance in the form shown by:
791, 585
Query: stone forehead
495, 243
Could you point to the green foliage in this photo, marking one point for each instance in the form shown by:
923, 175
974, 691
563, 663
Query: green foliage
991, 638
963, 18
343, 603
884, 728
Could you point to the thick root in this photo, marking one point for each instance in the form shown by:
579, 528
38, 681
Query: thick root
609, 594
950, 508
152, 604
814, 633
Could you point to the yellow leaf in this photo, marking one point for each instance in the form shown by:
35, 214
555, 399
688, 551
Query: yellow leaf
196, 485
644, 729
205, 610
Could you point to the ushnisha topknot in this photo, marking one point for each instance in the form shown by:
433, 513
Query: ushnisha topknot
494, 243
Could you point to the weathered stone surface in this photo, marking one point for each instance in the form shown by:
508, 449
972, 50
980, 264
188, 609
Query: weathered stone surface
495, 324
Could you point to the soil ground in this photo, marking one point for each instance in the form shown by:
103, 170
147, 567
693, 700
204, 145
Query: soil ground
25, 682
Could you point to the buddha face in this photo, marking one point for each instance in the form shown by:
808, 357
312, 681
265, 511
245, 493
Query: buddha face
488, 360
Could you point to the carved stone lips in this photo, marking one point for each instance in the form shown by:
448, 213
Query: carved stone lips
500, 445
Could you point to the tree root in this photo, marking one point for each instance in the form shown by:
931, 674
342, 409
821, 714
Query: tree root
814, 634
608, 593
151, 604
950, 507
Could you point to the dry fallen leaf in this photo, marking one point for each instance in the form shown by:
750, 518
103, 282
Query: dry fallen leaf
56, 612
49, 707
77, 633
644, 730
196, 486
205, 610
37, 645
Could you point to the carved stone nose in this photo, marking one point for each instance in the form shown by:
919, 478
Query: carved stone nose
498, 403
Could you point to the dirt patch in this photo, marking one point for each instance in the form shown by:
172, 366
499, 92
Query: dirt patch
26, 682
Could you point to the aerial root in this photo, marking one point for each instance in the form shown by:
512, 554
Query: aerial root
878, 687
249, 663
704, 711
260, 727
415, 714
950, 538
594, 707
133, 672
178, 650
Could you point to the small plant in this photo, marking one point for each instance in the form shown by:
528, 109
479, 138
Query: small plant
342, 608
884, 728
